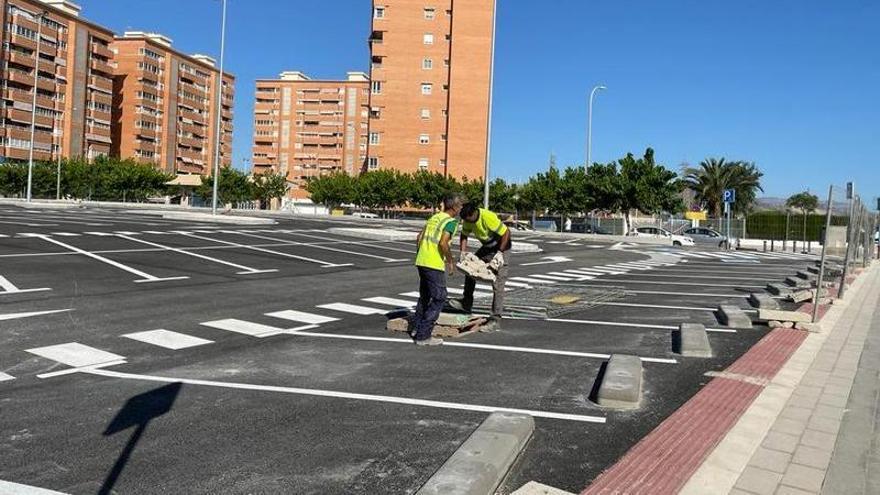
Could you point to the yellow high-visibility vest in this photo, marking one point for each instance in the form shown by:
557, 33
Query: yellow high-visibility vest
429, 255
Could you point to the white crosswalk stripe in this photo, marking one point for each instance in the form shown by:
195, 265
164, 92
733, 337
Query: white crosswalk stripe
517, 284
553, 277
244, 327
302, 317
3, 236
127, 232
390, 301
572, 276
587, 273
65, 234
352, 308
5, 378
612, 271
76, 355
168, 339
533, 280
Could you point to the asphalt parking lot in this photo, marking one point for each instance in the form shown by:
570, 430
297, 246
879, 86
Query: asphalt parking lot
145, 355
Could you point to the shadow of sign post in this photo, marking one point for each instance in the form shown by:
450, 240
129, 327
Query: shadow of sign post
137, 412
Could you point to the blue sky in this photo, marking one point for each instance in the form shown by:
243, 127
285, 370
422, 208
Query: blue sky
790, 84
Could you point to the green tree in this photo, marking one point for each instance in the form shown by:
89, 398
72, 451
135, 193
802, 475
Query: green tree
807, 203
472, 190
381, 189
573, 195
647, 187
233, 186
269, 186
502, 196
713, 176
332, 190
427, 189
603, 187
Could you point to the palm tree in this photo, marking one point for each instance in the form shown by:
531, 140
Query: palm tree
713, 176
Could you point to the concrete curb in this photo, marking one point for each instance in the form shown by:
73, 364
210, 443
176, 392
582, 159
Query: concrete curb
691, 340
480, 464
621, 386
733, 316
206, 217
535, 488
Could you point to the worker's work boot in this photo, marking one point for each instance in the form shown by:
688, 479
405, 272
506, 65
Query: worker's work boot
459, 305
430, 341
491, 326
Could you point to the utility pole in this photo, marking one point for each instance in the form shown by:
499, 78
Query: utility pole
219, 130
30, 176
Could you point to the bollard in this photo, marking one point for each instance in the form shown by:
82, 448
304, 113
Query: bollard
772, 245
809, 247
793, 246
785, 245
765, 246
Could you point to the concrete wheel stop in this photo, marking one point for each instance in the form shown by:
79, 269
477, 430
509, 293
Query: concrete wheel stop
619, 384
733, 317
691, 340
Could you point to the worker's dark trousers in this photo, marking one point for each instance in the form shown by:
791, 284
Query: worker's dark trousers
432, 298
470, 283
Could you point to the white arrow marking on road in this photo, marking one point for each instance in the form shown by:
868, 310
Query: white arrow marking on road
16, 316
9, 288
549, 260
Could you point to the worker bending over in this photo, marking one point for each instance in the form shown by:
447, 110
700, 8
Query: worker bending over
433, 261
495, 238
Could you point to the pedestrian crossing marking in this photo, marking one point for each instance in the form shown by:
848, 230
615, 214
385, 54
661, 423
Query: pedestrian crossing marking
65, 234
244, 327
352, 308
302, 317
76, 355
390, 301
532, 280
11, 488
573, 276
168, 339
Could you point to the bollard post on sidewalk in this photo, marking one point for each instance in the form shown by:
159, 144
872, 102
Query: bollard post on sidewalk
820, 280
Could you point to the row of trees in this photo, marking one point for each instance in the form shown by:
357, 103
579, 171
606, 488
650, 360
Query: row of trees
112, 179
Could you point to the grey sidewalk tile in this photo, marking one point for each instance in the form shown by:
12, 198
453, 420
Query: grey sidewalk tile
782, 442
823, 411
790, 426
759, 481
811, 456
771, 460
818, 439
801, 401
825, 425
787, 490
833, 400
798, 413
807, 391
804, 477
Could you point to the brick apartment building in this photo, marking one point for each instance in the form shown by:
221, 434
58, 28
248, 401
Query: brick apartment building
131, 96
428, 104
165, 105
305, 128
430, 77
74, 81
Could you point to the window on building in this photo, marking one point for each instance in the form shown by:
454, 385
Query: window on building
374, 138
427, 64
443, 137
424, 139
445, 113
426, 113
377, 87
429, 13
423, 163
446, 62
428, 39
427, 88
379, 12
372, 163
375, 113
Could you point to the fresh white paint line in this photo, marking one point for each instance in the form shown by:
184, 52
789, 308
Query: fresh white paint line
691, 255
65, 234
349, 395
168, 339
624, 325
694, 294
450, 290
552, 277
10, 488
71, 371
390, 301
608, 271
145, 277
353, 309
374, 244
10, 288
710, 277
246, 270
326, 248
622, 266
467, 345
3, 236
244, 327
581, 271
484, 287
18, 316
302, 317
655, 306
154, 232
76, 355
324, 264
516, 284
693, 284
100, 234
532, 280
5, 378
574, 276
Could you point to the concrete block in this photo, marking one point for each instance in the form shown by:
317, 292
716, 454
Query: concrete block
805, 275
813, 269
797, 282
778, 289
778, 315
774, 324
526, 247
535, 488
761, 300
483, 460
733, 316
806, 295
621, 386
691, 340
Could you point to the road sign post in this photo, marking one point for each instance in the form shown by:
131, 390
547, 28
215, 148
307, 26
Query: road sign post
729, 197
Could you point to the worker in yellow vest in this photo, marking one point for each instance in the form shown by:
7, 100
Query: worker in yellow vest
494, 238
433, 261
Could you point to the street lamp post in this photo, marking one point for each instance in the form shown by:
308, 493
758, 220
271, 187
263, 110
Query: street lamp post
590, 126
30, 177
219, 130
489, 119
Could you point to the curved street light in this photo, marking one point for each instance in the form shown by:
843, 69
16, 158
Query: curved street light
590, 126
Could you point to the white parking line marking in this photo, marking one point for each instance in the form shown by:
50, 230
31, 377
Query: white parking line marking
18, 316
127, 232
168, 339
573, 276
390, 301
246, 270
349, 395
145, 277
76, 355
517, 284
244, 327
10, 488
353, 309
656, 306
302, 317
610, 271
326, 248
589, 273
672, 293
65, 234
5, 378
710, 277
378, 244
621, 324
10, 288
632, 266
693, 284
324, 264
532, 280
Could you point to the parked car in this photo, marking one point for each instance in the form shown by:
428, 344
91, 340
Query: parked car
364, 214
702, 235
661, 233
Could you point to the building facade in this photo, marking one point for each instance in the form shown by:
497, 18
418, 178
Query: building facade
430, 81
306, 128
165, 106
72, 77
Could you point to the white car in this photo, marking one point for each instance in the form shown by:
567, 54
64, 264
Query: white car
660, 233
363, 214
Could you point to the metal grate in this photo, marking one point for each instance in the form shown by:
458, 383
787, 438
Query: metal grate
551, 301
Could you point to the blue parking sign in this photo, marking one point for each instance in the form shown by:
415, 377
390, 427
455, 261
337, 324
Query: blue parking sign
729, 196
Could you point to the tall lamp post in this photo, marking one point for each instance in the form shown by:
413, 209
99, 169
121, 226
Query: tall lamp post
590, 126
30, 176
219, 131
489, 119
